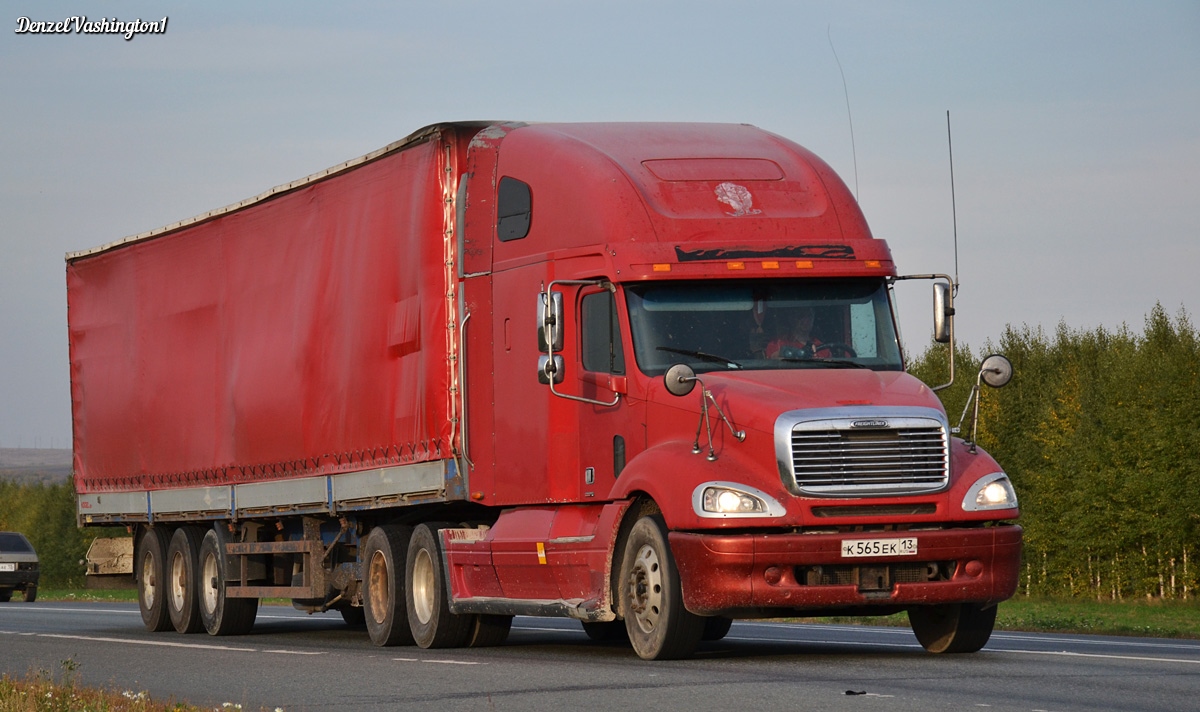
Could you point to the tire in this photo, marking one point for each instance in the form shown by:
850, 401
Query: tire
183, 579
5, 595
606, 631
716, 628
150, 573
489, 631
353, 616
429, 616
219, 614
651, 596
30, 593
385, 594
952, 627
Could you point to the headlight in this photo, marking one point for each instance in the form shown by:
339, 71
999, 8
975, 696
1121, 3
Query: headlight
991, 492
729, 499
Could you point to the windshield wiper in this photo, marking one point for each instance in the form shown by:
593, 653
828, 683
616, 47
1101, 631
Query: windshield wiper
702, 356
833, 362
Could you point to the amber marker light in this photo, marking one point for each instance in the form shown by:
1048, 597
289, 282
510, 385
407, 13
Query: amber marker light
770, 265
662, 267
875, 264
736, 265
804, 264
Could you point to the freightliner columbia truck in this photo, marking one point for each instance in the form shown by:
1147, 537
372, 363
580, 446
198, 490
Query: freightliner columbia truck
500, 369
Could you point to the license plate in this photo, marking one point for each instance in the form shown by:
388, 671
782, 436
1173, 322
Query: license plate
854, 548
8, 567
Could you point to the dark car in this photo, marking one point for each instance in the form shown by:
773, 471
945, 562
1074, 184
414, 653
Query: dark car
18, 567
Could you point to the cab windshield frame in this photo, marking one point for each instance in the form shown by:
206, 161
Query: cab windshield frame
754, 325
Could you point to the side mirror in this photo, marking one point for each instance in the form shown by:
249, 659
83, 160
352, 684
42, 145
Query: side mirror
550, 322
680, 379
943, 312
996, 371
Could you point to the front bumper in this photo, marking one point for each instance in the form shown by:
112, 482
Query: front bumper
761, 573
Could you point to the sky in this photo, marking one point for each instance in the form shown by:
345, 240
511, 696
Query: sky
1076, 132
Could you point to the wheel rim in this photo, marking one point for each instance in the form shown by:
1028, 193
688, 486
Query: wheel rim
208, 578
645, 589
423, 586
149, 581
377, 584
178, 580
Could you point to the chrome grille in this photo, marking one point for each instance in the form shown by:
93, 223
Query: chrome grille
835, 458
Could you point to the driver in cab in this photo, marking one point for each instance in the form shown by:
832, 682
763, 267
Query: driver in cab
797, 342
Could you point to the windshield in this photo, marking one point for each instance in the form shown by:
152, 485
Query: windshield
763, 324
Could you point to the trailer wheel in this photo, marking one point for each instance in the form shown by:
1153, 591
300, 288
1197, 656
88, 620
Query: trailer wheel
659, 627
30, 593
221, 615
606, 631
384, 596
150, 572
429, 616
952, 627
716, 628
183, 558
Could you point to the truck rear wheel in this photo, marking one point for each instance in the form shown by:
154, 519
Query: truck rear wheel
660, 628
150, 572
183, 601
489, 630
716, 628
384, 597
218, 614
952, 627
606, 631
429, 616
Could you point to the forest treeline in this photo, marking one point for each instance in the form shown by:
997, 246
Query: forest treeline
1100, 433
45, 513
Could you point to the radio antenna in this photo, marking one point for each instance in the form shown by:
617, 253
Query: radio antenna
846, 92
953, 206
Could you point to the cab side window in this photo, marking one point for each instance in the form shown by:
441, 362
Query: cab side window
601, 332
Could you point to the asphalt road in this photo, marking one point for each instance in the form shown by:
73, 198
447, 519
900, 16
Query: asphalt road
298, 662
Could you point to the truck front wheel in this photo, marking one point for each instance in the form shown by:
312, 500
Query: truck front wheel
218, 614
429, 616
952, 627
151, 576
659, 627
183, 556
384, 608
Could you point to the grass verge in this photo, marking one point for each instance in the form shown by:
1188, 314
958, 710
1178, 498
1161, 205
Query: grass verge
40, 691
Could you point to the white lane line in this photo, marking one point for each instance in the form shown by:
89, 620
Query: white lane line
43, 609
1068, 654
130, 641
1123, 642
297, 652
438, 662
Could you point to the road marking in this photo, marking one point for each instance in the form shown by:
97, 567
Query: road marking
1068, 654
297, 652
163, 643
438, 662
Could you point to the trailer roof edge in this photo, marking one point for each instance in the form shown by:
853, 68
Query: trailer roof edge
416, 137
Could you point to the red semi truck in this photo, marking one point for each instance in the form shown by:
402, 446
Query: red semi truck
646, 376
